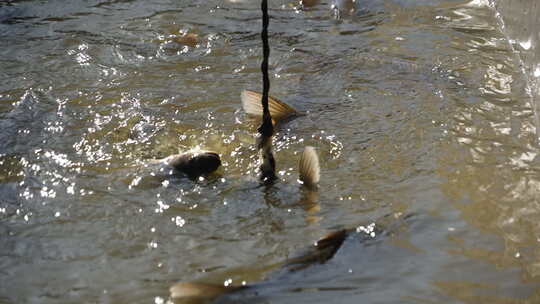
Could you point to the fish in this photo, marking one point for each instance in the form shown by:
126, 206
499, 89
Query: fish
309, 176
309, 168
318, 253
192, 164
195, 164
280, 111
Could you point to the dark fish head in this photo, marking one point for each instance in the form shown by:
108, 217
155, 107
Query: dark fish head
201, 164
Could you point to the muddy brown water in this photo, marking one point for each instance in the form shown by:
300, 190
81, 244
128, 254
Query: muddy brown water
415, 108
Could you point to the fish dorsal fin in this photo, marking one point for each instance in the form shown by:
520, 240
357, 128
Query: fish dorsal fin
251, 102
322, 251
309, 167
200, 290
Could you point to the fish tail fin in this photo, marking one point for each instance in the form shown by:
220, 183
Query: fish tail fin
251, 103
309, 168
184, 290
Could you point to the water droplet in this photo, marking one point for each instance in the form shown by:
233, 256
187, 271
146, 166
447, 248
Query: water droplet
179, 221
159, 300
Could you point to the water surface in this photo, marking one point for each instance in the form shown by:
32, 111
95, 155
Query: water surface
415, 107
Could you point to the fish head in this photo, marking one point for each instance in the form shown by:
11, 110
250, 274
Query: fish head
195, 164
203, 163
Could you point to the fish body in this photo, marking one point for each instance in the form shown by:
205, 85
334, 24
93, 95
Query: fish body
290, 275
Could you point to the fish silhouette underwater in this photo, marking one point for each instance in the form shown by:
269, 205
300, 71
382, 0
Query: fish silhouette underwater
295, 274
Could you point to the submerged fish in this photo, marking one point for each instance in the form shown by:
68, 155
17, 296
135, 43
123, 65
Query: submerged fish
318, 253
192, 164
285, 277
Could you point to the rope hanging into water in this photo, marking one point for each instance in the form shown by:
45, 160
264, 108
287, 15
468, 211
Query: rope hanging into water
266, 129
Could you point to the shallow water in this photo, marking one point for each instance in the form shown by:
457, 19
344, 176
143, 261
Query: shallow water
415, 107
